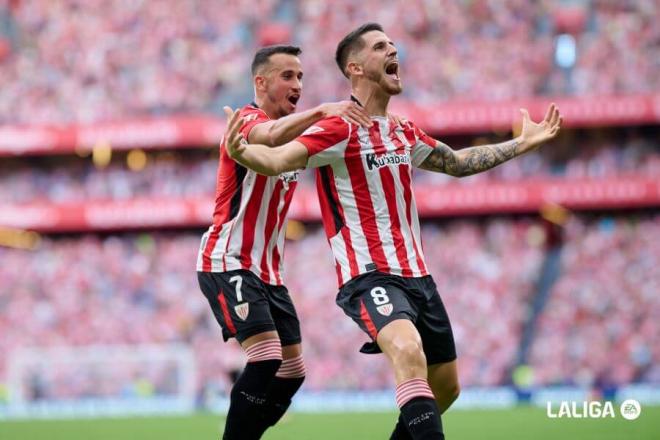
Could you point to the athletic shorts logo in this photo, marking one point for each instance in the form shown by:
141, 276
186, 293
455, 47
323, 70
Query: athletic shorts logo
385, 310
242, 310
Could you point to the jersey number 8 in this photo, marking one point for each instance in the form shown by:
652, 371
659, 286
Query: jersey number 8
379, 295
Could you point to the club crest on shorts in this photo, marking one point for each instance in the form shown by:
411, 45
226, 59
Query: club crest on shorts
242, 310
385, 309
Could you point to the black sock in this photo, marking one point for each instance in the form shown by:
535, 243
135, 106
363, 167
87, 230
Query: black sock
400, 431
278, 399
422, 419
280, 393
247, 400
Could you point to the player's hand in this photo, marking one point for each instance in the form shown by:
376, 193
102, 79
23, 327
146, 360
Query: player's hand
234, 141
349, 110
398, 120
534, 134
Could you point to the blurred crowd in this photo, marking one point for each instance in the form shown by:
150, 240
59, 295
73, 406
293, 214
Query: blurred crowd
90, 60
142, 289
601, 323
180, 174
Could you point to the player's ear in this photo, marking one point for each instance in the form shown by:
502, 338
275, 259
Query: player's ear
353, 68
260, 83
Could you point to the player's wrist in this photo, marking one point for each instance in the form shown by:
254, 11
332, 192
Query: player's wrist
524, 144
322, 111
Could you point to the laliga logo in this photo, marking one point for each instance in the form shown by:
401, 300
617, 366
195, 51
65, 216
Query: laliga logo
630, 409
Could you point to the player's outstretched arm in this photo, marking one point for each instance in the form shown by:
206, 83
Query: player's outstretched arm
283, 130
484, 157
269, 161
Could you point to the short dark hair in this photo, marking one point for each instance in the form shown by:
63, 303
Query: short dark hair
263, 55
352, 42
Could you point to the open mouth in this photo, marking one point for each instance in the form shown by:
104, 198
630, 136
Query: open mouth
293, 99
392, 70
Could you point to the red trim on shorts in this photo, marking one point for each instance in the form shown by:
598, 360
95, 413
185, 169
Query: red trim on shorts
225, 313
366, 319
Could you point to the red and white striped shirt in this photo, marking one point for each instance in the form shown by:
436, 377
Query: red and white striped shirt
364, 186
249, 221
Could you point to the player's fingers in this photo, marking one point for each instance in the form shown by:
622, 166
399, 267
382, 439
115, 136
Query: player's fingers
525, 113
361, 117
234, 133
232, 117
352, 120
228, 112
550, 113
362, 114
555, 117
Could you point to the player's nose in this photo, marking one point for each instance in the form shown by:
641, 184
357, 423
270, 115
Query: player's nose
392, 52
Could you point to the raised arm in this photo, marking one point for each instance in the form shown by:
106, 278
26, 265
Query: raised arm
474, 160
269, 161
280, 131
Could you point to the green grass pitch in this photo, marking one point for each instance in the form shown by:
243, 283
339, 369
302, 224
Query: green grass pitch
518, 423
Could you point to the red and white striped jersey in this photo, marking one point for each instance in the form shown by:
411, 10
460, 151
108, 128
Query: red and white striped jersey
364, 186
249, 221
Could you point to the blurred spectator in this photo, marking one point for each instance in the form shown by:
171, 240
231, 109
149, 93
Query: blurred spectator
134, 289
107, 59
192, 173
600, 326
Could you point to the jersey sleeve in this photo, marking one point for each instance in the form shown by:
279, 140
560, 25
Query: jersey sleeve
326, 141
423, 146
253, 116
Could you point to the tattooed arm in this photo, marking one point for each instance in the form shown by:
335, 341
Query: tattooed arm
470, 160
484, 157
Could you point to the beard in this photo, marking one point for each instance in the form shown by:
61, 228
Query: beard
387, 84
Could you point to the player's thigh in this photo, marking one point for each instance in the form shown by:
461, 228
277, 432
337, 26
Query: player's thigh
239, 303
285, 317
375, 300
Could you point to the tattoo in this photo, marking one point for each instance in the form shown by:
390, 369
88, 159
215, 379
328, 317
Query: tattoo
470, 160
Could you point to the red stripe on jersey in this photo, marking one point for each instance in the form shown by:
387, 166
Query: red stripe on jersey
332, 208
404, 175
389, 190
210, 244
225, 312
366, 319
271, 222
250, 220
280, 224
228, 195
364, 203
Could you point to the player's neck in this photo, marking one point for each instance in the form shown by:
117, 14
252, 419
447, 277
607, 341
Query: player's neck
263, 104
373, 100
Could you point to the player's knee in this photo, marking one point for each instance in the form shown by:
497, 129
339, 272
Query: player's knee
409, 353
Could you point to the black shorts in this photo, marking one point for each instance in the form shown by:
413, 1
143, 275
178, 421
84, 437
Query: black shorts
244, 306
375, 299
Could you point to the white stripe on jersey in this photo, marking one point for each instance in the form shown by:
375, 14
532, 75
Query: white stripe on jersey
378, 199
352, 217
230, 258
260, 227
338, 247
406, 230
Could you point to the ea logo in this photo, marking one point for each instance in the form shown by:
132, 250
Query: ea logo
630, 409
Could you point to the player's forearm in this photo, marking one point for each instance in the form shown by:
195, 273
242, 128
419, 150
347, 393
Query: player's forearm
481, 158
471, 160
261, 159
290, 127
